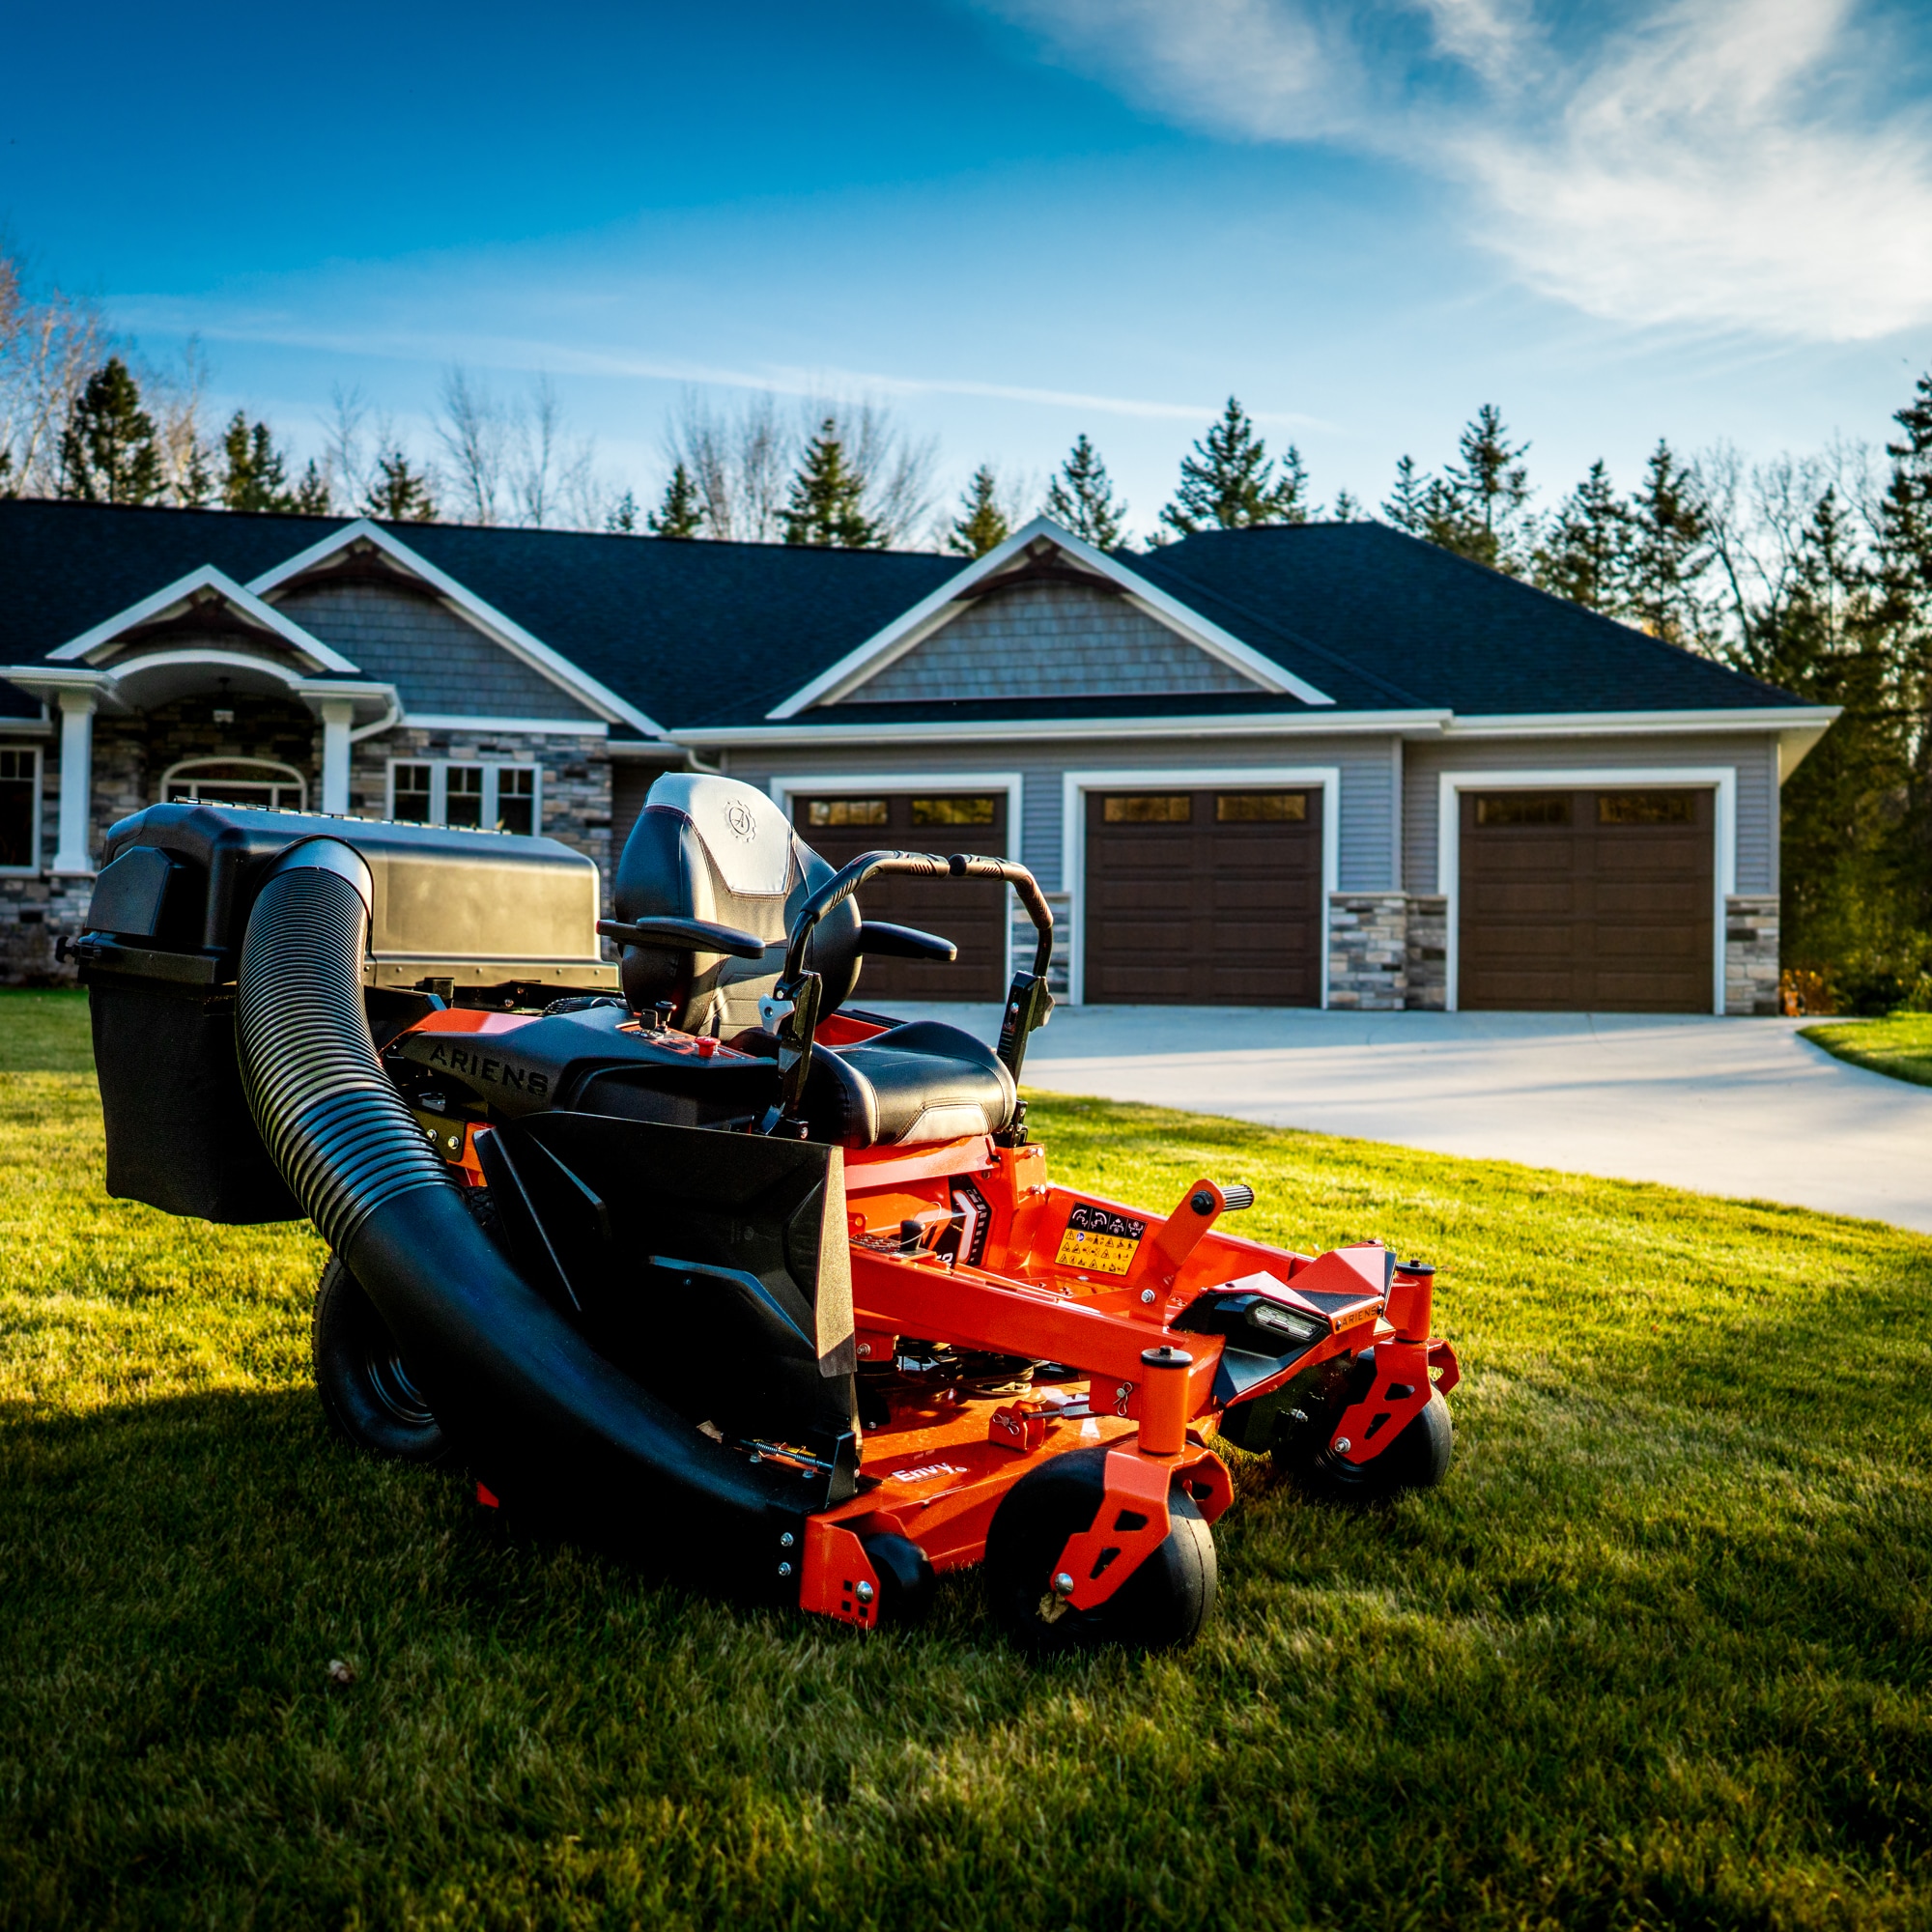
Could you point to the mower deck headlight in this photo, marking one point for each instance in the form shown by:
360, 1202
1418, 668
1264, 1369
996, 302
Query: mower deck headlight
1287, 1322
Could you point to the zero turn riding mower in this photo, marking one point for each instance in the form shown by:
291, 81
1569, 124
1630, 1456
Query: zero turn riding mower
686, 1252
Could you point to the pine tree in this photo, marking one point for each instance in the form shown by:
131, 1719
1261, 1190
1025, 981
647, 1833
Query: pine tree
1230, 483
312, 494
1905, 580
108, 453
824, 505
256, 478
1081, 497
681, 514
1669, 552
1585, 553
981, 525
399, 495
1403, 506
1484, 498
622, 519
1346, 508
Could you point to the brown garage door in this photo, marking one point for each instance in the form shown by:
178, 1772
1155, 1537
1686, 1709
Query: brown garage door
840, 826
1576, 901
1205, 897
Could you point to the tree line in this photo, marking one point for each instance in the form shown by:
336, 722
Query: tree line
1813, 574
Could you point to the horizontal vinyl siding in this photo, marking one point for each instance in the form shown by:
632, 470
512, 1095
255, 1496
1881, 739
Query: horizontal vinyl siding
441, 663
1366, 861
1753, 755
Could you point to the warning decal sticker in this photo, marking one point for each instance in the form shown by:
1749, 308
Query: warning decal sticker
1098, 1241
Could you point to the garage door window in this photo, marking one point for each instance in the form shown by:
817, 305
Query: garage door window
1143, 808
848, 812
954, 810
1646, 808
1524, 808
1261, 808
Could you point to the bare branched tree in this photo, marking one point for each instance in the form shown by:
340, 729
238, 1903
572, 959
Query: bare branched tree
175, 397
346, 461
48, 347
550, 474
474, 429
740, 462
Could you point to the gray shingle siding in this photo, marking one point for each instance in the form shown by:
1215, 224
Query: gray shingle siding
1050, 640
1753, 755
440, 663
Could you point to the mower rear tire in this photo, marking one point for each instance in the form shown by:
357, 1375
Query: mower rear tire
1418, 1459
367, 1394
905, 1577
1164, 1604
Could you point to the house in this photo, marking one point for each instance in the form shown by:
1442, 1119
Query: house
1315, 765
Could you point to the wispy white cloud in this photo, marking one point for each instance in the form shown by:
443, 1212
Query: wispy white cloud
1728, 164
530, 355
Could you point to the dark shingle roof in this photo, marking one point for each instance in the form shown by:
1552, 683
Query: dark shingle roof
703, 633
1449, 632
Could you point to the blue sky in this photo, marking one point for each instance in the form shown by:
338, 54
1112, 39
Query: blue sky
1014, 219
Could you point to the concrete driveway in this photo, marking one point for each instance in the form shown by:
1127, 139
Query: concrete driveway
1735, 1107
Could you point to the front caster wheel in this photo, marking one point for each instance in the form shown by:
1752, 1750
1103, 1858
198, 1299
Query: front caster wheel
367, 1394
1166, 1602
1418, 1459
905, 1579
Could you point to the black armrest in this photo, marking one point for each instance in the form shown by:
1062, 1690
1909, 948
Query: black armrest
685, 935
884, 941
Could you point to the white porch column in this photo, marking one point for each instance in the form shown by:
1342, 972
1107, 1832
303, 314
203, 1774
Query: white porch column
76, 782
338, 714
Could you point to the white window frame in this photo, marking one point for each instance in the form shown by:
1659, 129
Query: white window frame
272, 772
32, 869
1075, 785
439, 786
789, 785
1719, 780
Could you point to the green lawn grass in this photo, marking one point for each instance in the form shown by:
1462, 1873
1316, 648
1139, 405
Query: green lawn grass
45, 1031
1900, 1046
1655, 1656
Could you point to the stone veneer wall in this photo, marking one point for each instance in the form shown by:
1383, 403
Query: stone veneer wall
1368, 952
1750, 954
1427, 953
575, 786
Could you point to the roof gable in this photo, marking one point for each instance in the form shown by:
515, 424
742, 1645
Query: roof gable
204, 604
1043, 551
343, 552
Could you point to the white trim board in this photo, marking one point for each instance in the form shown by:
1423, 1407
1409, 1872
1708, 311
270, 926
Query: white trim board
931, 612
1721, 779
1074, 785
318, 655
555, 727
491, 622
788, 786
1006, 731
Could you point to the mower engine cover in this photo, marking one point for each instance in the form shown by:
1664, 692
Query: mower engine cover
487, 915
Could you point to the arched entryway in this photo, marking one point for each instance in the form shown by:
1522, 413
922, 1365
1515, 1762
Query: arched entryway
263, 783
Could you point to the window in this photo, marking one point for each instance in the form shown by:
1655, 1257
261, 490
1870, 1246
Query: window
411, 803
954, 810
1646, 808
1262, 808
463, 796
848, 812
1524, 808
517, 799
258, 783
440, 792
19, 810
1146, 807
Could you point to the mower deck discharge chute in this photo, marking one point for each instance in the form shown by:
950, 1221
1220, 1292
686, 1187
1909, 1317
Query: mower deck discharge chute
686, 1252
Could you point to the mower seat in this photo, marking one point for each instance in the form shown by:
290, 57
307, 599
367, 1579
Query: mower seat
921, 1082
718, 849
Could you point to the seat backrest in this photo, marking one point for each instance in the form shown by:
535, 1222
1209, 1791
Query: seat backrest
719, 849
